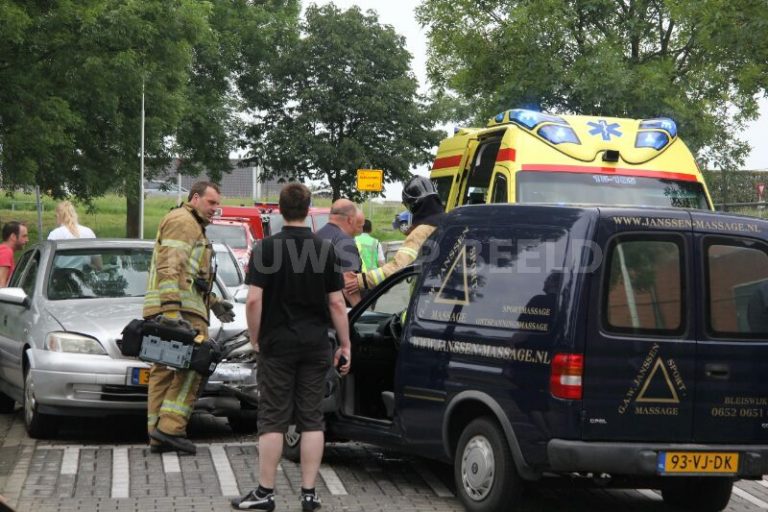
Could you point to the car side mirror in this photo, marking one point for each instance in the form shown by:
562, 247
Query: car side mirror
241, 295
16, 296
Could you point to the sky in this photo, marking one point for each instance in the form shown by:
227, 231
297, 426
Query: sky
400, 14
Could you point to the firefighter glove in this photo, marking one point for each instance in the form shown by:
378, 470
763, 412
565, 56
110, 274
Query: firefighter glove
174, 319
223, 311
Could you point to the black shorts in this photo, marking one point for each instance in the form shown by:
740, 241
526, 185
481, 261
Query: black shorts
291, 388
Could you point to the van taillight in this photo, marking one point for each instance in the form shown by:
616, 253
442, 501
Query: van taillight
565, 381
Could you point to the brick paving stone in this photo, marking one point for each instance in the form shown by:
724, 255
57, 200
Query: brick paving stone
376, 480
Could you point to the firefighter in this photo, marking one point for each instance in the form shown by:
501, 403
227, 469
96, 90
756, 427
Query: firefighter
421, 199
178, 294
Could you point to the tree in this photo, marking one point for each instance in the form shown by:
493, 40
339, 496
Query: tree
700, 62
341, 96
73, 74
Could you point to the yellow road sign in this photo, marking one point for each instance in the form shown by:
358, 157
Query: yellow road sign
370, 180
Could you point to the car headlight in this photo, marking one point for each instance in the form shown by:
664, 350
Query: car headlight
73, 343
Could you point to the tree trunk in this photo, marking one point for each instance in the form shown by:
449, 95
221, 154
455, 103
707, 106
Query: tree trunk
335, 184
132, 215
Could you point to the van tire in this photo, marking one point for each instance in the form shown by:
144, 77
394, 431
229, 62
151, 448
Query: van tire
705, 494
7, 404
484, 470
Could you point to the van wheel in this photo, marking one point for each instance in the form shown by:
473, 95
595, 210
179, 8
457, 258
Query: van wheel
700, 494
404, 226
485, 474
292, 444
39, 426
7, 404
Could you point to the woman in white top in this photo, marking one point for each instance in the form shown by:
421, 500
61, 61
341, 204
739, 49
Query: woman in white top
66, 218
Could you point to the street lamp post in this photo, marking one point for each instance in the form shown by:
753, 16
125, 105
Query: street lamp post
141, 177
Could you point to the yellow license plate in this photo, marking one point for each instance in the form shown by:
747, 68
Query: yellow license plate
698, 462
139, 376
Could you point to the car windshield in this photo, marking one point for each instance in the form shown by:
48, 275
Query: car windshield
233, 236
609, 190
227, 268
98, 273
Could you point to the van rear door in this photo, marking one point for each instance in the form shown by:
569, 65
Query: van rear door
640, 350
732, 360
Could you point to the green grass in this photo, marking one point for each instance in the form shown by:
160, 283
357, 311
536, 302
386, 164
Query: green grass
107, 216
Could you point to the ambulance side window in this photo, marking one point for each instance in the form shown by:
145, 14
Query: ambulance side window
480, 174
644, 286
737, 288
500, 189
443, 186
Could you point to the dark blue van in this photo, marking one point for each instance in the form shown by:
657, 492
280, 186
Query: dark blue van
629, 345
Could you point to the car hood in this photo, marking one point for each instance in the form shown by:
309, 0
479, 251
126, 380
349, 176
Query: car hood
100, 318
104, 319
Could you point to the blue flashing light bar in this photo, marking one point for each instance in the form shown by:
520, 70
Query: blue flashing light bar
530, 118
662, 123
655, 140
559, 134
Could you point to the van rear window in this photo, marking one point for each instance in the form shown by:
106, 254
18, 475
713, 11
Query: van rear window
644, 288
737, 288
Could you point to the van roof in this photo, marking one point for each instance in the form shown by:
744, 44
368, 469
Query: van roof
561, 215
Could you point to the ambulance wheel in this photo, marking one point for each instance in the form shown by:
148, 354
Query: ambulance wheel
7, 404
698, 493
39, 426
292, 444
484, 471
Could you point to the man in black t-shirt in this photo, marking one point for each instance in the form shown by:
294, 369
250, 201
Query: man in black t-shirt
295, 293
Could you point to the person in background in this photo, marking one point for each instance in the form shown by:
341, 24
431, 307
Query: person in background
345, 222
359, 221
290, 306
179, 295
421, 199
371, 253
66, 218
15, 237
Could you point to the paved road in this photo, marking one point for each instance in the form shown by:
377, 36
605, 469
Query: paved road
105, 466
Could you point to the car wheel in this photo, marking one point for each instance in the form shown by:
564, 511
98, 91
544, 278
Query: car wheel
39, 426
292, 444
404, 227
242, 425
485, 474
701, 494
7, 404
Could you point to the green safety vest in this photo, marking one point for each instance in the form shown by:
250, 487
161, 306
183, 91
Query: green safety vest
368, 247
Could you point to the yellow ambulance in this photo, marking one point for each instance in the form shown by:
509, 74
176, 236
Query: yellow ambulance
525, 156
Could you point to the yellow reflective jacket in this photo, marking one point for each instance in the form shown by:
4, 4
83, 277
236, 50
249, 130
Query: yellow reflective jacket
404, 256
182, 254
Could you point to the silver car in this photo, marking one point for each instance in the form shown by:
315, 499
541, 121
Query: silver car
60, 319
228, 269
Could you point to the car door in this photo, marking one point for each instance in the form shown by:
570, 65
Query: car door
640, 349
15, 319
367, 410
732, 361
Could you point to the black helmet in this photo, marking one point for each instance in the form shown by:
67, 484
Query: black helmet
416, 190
